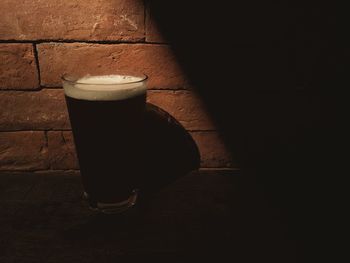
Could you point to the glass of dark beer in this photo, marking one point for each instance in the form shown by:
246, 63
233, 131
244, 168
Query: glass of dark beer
107, 114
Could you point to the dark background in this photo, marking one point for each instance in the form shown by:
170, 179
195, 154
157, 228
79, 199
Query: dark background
266, 72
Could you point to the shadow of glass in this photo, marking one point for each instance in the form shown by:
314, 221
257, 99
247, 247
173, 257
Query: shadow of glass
171, 151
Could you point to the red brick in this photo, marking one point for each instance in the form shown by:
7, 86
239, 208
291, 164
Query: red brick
213, 151
18, 69
46, 109
157, 61
66, 19
185, 106
214, 154
37, 110
23, 151
62, 150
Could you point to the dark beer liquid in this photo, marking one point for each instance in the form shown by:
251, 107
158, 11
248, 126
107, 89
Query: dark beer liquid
109, 141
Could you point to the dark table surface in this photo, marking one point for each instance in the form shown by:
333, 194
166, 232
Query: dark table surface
205, 215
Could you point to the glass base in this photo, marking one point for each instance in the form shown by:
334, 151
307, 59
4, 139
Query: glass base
112, 208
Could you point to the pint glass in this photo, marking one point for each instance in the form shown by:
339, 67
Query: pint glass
107, 114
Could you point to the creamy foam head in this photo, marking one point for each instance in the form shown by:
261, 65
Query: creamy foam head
106, 87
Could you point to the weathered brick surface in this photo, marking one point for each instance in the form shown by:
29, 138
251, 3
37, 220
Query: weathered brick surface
185, 106
18, 69
46, 109
66, 19
97, 21
157, 61
23, 151
38, 110
213, 151
62, 152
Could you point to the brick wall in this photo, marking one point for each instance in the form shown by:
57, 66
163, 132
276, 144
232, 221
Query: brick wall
42, 39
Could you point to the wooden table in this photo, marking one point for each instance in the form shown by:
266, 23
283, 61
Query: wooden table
201, 216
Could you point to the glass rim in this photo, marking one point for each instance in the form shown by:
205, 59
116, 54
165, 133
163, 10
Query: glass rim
74, 79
